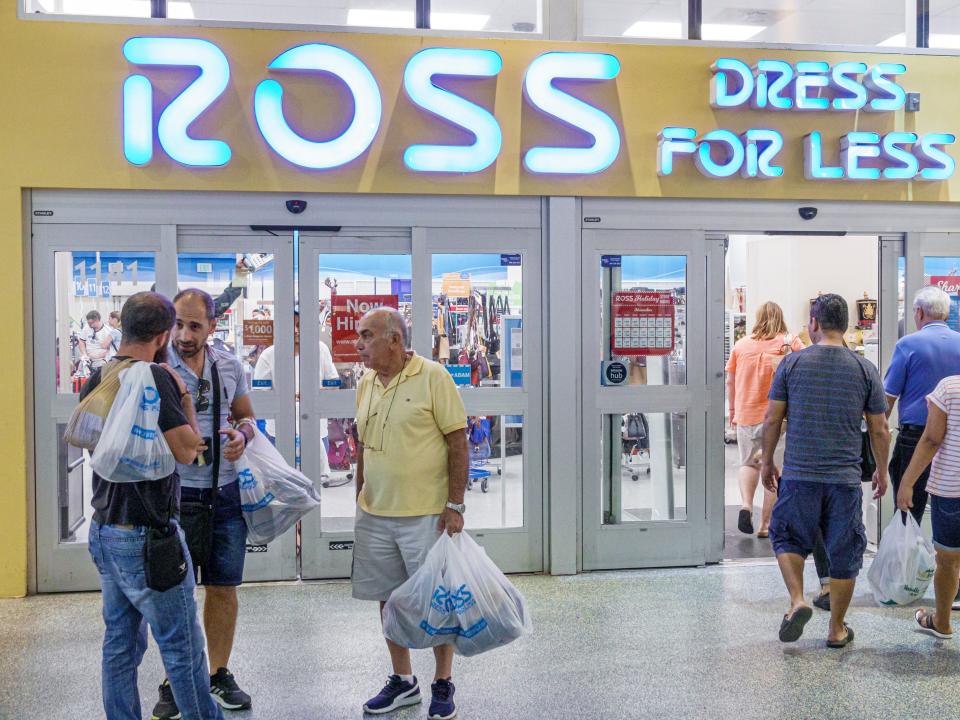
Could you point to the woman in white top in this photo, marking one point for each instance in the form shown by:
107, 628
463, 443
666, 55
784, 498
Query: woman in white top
941, 444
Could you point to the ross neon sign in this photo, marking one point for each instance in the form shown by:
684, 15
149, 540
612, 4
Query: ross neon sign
770, 85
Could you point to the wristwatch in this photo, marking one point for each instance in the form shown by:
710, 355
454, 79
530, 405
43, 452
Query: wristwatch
459, 507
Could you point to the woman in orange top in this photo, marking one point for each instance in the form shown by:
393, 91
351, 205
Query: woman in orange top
749, 374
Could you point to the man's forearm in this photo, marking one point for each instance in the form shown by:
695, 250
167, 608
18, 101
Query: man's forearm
186, 402
458, 460
880, 444
771, 436
359, 469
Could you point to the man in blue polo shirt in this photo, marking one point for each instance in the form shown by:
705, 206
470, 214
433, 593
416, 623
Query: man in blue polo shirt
920, 361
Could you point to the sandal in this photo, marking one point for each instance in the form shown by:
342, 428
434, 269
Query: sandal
837, 644
792, 626
763, 534
925, 621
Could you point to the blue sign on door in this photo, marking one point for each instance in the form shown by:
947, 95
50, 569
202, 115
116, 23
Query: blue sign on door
610, 261
510, 259
460, 374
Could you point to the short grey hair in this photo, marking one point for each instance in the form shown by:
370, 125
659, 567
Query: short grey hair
933, 301
393, 322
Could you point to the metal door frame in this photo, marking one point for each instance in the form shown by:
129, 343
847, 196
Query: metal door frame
65, 567
653, 543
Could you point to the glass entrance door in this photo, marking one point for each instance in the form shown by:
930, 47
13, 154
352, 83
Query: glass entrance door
93, 269
250, 277
475, 312
652, 397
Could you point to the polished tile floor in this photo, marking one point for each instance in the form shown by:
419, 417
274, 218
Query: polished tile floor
688, 643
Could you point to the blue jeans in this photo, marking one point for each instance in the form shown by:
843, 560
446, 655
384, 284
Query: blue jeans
128, 607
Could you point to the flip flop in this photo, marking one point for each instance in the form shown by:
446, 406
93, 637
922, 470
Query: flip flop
763, 534
792, 626
745, 522
837, 644
925, 621
822, 601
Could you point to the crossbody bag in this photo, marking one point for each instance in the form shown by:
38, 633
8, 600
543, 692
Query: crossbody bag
196, 516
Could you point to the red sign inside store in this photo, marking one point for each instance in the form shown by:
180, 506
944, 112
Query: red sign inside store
642, 323
950, 284
347, 311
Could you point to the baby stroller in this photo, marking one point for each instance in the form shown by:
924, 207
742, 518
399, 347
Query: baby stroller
635, 439
341, 449
478, 437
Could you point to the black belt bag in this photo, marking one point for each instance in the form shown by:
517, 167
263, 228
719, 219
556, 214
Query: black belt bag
868, 464
196, 516
164, 564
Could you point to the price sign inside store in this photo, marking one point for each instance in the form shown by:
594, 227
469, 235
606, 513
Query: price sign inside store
258, 332
642, 323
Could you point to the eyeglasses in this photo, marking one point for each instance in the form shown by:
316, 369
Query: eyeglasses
365, 432
201, 402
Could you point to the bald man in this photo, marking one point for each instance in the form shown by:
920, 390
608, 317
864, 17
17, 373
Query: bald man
411, 477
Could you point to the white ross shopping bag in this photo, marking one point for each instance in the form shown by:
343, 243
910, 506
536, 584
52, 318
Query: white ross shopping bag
131, 447
904, 564
457, 597
273, 495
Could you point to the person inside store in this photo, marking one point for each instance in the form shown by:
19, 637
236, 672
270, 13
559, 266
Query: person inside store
411, 479
937, 454
823, 392
210, 513
95, 341
263, 372
749, 375
116, 333
124, 513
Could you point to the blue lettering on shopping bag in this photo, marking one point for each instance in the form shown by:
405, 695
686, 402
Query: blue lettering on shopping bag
143, 432
141, 466
447, 601
469, 632
151, 399
247, 479
261, 503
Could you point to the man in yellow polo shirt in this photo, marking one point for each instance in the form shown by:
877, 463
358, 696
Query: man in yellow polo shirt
411, 476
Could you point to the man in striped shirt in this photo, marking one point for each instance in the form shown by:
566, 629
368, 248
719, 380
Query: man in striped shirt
823, 392
940, 443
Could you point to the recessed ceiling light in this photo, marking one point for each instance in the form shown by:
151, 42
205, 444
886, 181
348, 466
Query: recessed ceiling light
662, 30
898, 40
709, 31
381, 18
406, 19
733, 33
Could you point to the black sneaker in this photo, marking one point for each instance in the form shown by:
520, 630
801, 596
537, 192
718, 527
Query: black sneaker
397, 693
166, 707
226, 692
442, 706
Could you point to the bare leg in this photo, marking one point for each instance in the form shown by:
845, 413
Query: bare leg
791, 567
220, 608
399, 656
841, 592
444, 657
749, 478
769, 499
945, 582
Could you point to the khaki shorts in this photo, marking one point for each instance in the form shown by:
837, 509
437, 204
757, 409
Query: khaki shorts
750, 444
388, 550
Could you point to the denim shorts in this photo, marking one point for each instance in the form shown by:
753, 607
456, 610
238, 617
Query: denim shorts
229, 536
945, 516
803, 509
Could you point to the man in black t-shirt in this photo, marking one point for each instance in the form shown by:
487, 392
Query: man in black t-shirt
123, 512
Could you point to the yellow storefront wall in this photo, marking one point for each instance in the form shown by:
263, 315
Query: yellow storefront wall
61, 127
